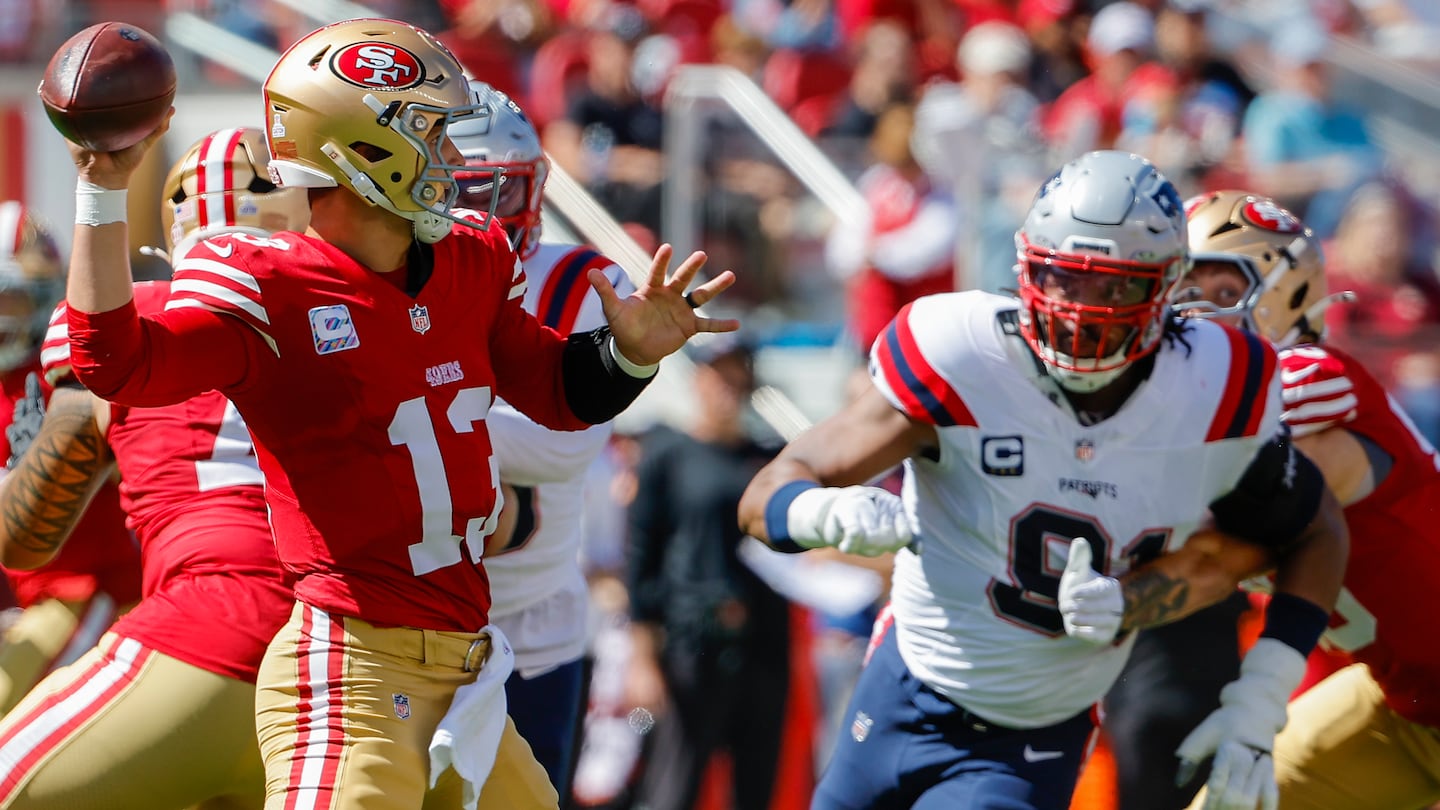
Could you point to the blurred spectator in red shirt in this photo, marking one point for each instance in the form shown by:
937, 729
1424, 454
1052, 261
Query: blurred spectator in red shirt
1089, 115
909, 250
934, 28
21, 22
494, 38
1394, 325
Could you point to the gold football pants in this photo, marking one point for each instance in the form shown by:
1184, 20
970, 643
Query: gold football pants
345, 712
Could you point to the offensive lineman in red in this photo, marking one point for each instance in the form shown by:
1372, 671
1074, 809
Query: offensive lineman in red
364, 355
1368, 736
161, 715
69, 594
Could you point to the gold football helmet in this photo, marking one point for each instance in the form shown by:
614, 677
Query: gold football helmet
220, 185
32, 281
1280, 258
364, 104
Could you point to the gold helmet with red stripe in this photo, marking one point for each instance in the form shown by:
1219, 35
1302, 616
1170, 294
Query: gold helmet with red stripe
1283, 269
32, 280
221, 184
364, 105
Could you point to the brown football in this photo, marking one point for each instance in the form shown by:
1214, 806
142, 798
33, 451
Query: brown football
108, 86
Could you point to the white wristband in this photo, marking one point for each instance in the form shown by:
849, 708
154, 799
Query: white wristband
97, 205
629, 366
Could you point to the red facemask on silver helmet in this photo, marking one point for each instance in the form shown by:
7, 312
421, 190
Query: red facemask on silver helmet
506, 141
1099, 254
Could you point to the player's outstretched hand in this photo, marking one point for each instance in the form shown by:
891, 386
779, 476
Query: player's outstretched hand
113, 169
659, 317
1091, 605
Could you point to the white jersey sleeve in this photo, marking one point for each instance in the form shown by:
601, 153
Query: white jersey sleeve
537, 590
1017, 477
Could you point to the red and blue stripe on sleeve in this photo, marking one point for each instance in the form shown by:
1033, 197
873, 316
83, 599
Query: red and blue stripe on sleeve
1242, 406
919, 388
565, 289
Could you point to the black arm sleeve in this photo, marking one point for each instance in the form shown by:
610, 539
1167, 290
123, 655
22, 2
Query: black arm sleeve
1276, 498
596, 388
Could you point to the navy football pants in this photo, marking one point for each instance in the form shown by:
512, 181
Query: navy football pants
903, 746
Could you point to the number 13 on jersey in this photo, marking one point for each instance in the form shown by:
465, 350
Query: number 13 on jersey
412, 428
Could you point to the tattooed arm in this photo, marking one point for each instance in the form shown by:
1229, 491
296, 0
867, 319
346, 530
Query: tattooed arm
1202, 572
44, 495
1212, 564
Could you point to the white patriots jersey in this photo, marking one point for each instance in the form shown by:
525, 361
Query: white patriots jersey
547, 468
1017, 477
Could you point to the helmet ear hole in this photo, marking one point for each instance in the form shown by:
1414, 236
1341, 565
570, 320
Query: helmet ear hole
1297, 299
370, 152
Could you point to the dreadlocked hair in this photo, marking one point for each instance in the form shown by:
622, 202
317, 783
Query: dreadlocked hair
1174, 330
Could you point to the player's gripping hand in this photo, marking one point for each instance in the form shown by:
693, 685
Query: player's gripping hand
1241, 733
857, 520
113, 169
1092, 605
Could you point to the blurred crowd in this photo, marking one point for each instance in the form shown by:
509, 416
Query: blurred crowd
948, 115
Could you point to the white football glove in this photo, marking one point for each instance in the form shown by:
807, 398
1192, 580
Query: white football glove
1241, 733
25, 424
1091, 605
856, 520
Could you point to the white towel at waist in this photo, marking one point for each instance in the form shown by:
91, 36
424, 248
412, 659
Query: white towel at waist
468, 736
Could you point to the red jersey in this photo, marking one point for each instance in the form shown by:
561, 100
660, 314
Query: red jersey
1392, 580
214, 591
367, 405
100, 555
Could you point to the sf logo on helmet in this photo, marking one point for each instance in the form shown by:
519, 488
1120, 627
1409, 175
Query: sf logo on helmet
378, 66
1266, 214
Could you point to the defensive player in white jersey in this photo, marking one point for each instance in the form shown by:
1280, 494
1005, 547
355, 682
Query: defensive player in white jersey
539, 596
1060, 453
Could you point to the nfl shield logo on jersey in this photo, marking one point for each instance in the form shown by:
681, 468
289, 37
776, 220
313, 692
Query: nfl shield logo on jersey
402, 705
860, 729
1084, 450
420, 319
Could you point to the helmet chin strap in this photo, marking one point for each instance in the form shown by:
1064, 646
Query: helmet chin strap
429, 227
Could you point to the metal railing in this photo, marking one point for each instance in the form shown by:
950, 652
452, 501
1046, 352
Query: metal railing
685, 144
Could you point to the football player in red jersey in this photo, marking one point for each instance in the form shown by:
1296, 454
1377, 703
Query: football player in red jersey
364, 355
1368, 736
70, 597
169, 694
